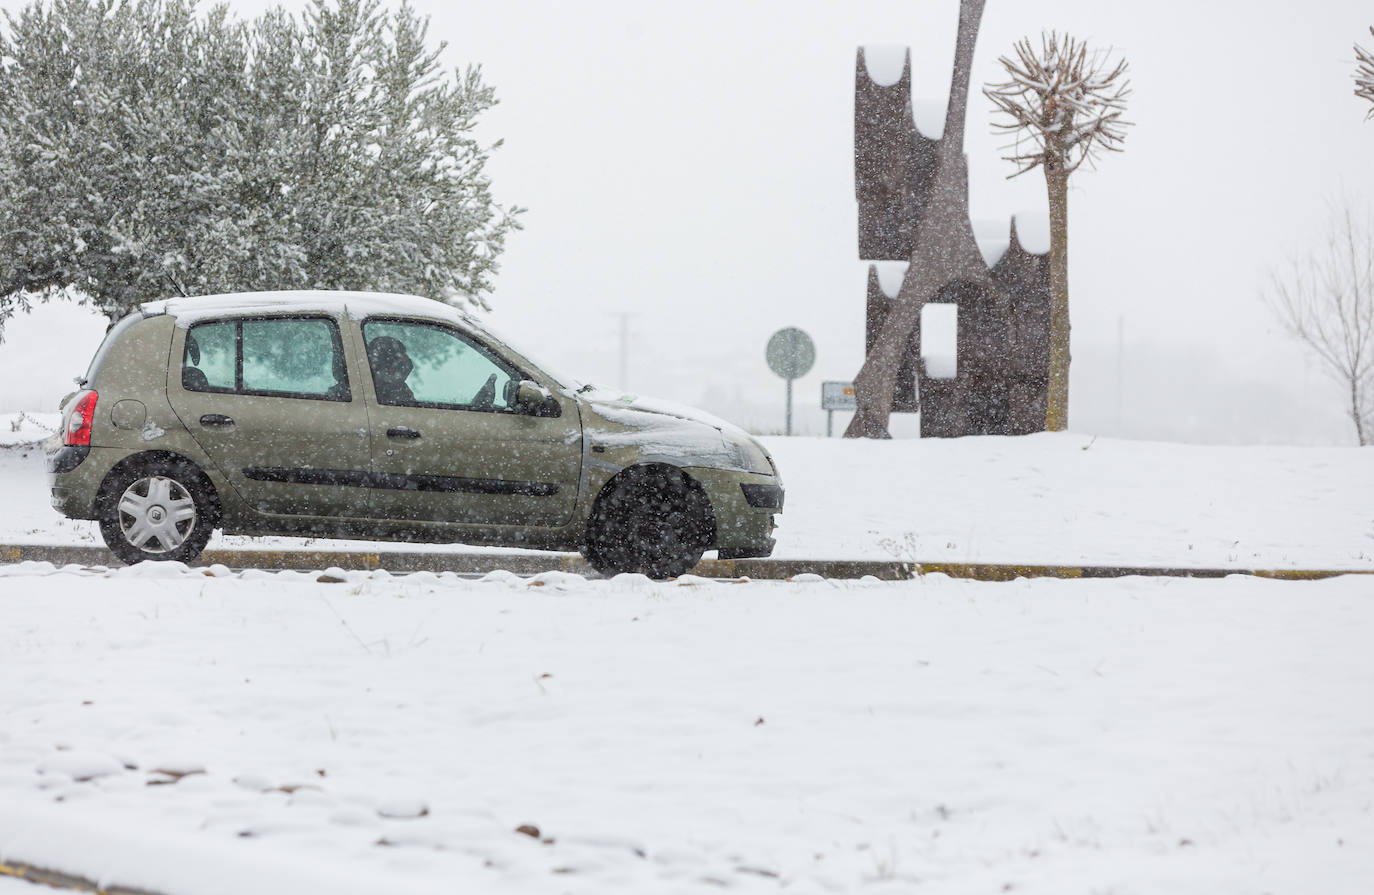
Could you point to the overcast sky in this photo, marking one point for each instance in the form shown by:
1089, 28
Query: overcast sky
692, 165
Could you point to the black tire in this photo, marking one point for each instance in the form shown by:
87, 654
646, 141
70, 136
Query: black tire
160, 510
650, 519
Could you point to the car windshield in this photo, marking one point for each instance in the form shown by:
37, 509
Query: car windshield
488, 334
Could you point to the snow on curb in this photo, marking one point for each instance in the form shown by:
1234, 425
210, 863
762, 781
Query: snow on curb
103, 853
56, 879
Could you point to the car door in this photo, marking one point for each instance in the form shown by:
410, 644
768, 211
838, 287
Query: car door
272, 402
448, 441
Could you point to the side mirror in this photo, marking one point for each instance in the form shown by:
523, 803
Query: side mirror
534, 399
530, 394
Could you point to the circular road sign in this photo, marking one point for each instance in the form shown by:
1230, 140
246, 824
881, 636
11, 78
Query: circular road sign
790, 353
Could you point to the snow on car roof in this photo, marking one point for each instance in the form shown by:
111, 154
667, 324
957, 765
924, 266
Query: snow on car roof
193, 309
188, 310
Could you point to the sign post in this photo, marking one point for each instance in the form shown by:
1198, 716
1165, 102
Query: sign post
790, 354
836, 396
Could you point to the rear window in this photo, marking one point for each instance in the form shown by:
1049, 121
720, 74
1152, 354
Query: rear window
295, 357
111, 336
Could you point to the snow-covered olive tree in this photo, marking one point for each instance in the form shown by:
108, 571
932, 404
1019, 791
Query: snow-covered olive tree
1064, 104
148, 149
1325, 299
1364, 76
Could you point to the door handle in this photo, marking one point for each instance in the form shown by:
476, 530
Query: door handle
402, 432
216, 421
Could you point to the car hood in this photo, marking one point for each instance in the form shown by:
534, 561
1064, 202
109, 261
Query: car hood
662, 430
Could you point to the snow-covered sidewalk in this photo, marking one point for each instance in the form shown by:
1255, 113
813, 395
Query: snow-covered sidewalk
1046, 499
272, 733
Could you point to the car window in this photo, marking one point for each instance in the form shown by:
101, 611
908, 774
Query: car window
211, 349
497, 338
295, 356
292, 357
432, 366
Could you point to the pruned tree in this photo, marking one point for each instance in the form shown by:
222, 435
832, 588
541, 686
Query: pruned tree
1325, 299
1064, 104
148, 149
1364, 76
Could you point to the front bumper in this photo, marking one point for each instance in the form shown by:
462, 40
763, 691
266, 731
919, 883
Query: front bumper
741, 502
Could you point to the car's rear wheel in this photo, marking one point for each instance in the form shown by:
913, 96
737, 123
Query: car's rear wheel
159, 510
650, 519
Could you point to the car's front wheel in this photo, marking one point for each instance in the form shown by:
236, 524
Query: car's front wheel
650, 519
159, 510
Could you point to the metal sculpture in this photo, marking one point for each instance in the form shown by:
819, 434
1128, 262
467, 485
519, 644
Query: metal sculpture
912, 191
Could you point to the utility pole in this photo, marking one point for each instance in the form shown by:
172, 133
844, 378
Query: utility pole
1120, 372
624, 382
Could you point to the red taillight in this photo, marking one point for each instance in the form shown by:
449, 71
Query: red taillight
79, 422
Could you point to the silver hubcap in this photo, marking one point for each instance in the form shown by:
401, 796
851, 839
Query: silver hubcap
156, 514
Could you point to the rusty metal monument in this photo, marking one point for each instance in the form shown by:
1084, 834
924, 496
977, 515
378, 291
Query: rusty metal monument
912, 192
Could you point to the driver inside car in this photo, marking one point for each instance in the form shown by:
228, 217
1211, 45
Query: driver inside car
390, 367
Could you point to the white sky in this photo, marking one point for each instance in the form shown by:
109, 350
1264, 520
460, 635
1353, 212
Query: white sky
693, 166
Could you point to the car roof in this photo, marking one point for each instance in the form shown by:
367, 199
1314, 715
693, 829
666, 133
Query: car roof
188, 310
193, 309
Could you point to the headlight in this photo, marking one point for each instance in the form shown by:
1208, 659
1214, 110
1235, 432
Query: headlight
749, 456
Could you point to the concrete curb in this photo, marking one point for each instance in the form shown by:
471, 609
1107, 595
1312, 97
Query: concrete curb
403, 562
59, 880
992, 572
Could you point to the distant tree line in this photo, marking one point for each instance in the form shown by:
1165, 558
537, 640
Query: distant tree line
1325, 298
150, 149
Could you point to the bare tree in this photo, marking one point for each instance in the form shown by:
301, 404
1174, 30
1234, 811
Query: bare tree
1364, 76
1326, 301
1064, 104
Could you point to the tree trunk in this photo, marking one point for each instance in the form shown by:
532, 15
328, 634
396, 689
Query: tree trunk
1355, 408
1057, 182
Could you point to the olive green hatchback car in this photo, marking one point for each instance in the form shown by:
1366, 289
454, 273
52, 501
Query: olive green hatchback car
358, 415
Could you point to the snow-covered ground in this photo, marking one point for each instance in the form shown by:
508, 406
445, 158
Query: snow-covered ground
1075, 499
201, 734
1049, 498
198, 732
